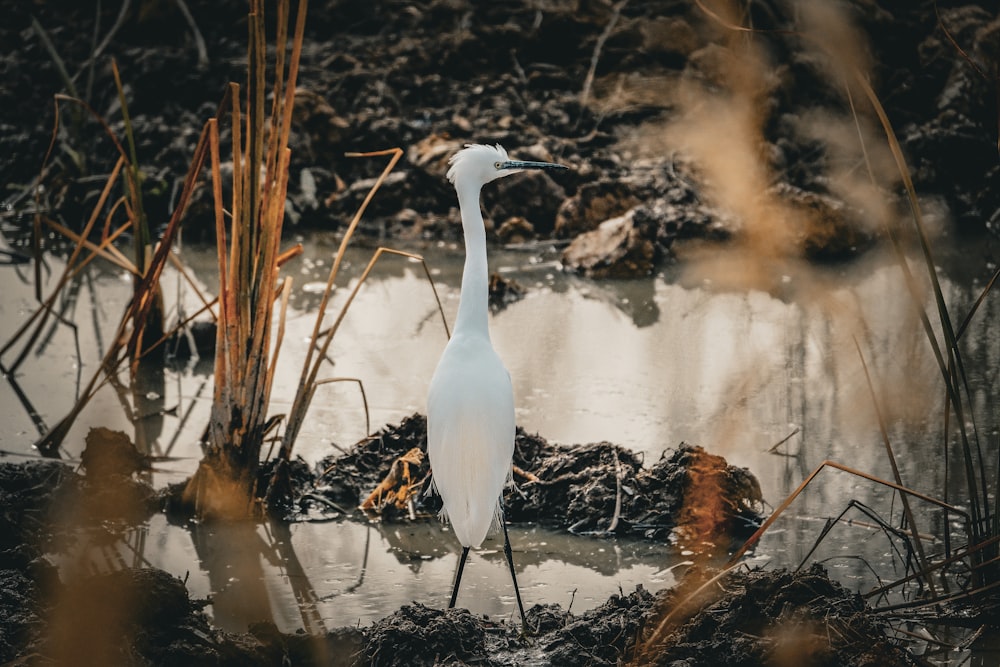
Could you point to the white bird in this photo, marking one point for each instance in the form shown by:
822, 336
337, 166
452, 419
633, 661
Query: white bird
470, 403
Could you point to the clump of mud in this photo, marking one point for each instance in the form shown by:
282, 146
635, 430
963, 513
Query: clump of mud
418, 635
602, 636
776, 618
593, 489
602, 489
26, 492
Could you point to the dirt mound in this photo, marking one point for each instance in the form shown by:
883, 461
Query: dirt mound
593, 489
26, 493
567, 80
777, 618
602, 488
418, 635
601, 636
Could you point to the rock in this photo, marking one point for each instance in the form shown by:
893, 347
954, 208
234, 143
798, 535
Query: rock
363, 187
433, 152
668, 222
503, 292
832, 230
515, 230
592, 204
324, 130
616, 249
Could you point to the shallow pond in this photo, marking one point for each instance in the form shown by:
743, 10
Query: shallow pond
753, 359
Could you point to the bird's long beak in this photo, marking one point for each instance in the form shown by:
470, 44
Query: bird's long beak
523, 164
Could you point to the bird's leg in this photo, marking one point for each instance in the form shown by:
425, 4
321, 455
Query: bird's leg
458, 576
513, 577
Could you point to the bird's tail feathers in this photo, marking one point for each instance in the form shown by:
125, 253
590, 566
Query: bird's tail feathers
497, 524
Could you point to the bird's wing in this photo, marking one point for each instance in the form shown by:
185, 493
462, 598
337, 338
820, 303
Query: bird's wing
470, 440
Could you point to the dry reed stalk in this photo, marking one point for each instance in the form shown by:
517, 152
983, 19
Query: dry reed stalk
310, 367
104, 250
124, 341
649, 647
246, 355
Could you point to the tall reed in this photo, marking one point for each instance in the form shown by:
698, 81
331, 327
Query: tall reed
247, 343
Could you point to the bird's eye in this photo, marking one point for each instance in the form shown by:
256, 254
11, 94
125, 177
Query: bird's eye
497, 165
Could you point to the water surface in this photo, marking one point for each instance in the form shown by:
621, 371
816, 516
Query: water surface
691, 355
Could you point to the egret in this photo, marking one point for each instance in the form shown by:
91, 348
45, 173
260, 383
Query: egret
470, 402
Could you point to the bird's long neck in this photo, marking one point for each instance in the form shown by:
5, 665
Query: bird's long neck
472, 306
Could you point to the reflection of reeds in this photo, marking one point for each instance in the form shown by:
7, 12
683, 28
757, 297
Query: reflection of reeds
129, 342
983, 528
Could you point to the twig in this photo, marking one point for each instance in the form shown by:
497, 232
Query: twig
530, 476
589, 81
782, 441
364, 398
618, 494
119, 22
104, 250
199, 41
325, 501
56, 59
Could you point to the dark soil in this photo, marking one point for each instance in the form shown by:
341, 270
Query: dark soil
595, 489
777, 618
429, 78
145, 616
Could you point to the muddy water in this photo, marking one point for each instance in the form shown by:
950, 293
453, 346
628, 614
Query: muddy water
693, 355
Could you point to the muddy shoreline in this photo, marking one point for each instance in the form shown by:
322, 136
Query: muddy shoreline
595, 85
146, 616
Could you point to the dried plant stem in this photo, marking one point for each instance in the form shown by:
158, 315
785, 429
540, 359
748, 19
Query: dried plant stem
310, 367
247, 345
596, 56
907, 511
42, 313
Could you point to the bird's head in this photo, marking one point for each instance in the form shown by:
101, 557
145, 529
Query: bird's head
478, 164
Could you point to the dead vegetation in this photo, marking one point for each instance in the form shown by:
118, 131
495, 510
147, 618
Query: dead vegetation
598, 489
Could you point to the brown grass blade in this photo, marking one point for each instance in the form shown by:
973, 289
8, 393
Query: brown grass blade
311, 366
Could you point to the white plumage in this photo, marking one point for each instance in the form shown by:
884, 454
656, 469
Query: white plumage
470, 403
471, 451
